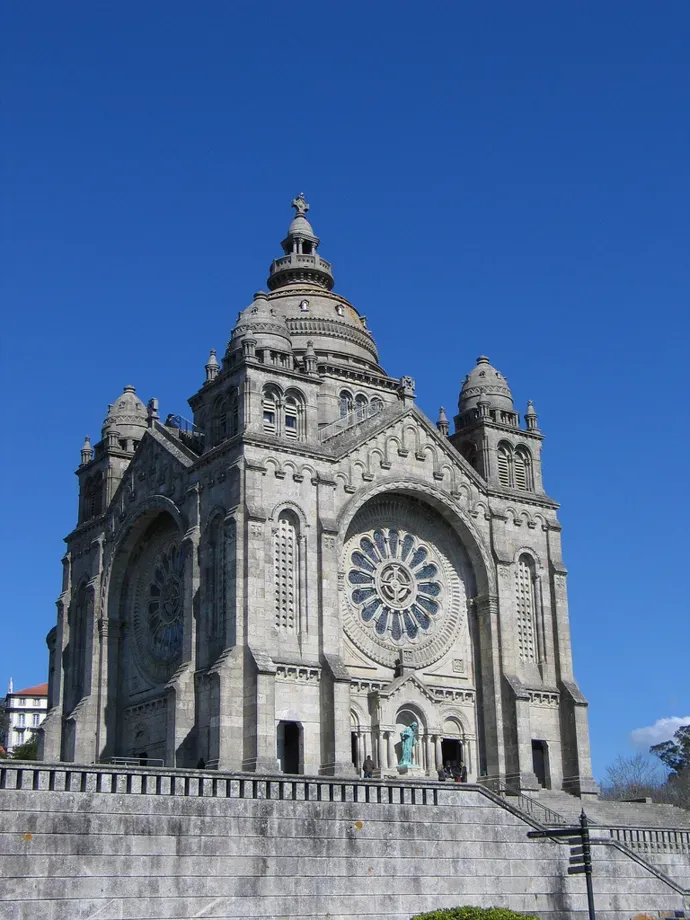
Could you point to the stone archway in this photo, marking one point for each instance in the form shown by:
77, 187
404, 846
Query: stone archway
144, 634
415, 574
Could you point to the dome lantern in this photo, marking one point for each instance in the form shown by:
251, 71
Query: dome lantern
301, 263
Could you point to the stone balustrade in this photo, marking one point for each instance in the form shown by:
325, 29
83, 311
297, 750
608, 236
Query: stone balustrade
63, 777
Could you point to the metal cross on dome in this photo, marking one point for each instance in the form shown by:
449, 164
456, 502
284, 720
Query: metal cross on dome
300, 205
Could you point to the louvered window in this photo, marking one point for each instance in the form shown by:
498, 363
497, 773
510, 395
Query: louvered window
526, 597
523, 469
291, 418
286, 572
269, 412
520, 471
504, 465
469, 452
234, 413
220, 420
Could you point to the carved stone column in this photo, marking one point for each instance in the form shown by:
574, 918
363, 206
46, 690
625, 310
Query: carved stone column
439, 752
392, 763
384, 751
429, 765
361, 755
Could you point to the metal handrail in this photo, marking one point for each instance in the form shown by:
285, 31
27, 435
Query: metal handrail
525, 804
137, 761
359, 414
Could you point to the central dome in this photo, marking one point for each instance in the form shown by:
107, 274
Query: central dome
300, 285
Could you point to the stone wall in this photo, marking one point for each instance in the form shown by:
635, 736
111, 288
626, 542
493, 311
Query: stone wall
108, 843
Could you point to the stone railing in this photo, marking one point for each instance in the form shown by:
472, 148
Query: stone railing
133, 780
652, 839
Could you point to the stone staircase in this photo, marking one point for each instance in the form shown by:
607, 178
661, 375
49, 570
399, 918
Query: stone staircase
659, 834
614, 814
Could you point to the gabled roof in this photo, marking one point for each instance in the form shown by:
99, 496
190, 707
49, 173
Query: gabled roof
37, 690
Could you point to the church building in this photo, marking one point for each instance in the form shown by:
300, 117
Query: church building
310, 572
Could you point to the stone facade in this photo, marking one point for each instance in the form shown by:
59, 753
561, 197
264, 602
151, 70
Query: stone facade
312, 565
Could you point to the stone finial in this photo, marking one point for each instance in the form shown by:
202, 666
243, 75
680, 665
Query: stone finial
531, 417
86, 451
300, 205
152, 411
442, 422
212, 366
310, 358
407, 385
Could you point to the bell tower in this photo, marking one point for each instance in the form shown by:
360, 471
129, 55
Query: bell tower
488, 434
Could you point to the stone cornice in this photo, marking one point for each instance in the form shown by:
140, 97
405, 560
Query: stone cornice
347, 372
523, 498
509, 429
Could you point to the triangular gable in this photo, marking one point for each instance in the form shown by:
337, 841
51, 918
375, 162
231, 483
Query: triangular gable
156, 452
428, 439
396, 685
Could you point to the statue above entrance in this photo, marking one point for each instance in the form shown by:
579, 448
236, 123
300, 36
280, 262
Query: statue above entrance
408, 736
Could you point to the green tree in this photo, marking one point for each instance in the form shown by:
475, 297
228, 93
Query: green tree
28, 750
675, 754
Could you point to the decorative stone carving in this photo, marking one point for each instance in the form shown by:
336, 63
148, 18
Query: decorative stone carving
158, 606
403, 589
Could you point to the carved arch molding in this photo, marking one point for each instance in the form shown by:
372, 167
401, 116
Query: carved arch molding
155, 599
405, 585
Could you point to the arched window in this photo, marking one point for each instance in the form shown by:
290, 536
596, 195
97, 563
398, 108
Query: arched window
233, 413
522, 466
76, 647
526, 608
225, 420
469, 452
376, 405
293, 415
505, 464
286, 572
270, 410
345, 403
219, 428
361, 403
215, 581
93, 496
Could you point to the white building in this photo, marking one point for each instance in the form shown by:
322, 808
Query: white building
26, 709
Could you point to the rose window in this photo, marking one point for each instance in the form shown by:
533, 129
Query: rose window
165, 607
395, 585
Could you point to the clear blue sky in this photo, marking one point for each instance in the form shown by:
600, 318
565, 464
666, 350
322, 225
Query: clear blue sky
502, 178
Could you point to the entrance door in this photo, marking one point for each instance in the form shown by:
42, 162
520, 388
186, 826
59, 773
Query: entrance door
540, 763
287, 745
353, 742
451, 750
